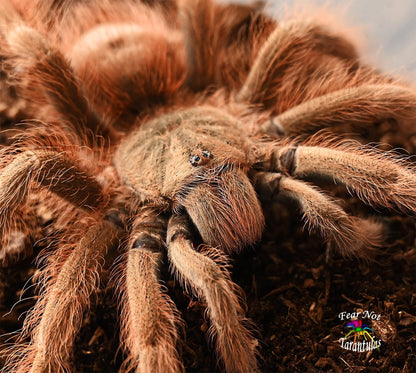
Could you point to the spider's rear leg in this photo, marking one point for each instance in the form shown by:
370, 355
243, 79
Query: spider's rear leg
352, 235
47, 79
361, 106
279, 78
149, 318
211, 281
221, 41
288, 44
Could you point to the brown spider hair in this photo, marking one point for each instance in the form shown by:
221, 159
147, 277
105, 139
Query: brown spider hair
158, 128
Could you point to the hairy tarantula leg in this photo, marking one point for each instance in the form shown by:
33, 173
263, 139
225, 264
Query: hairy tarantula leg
362, 105
149, 317
285, 46
49, 73
56, 318
376, 177
350, 234
235, 345
53, 170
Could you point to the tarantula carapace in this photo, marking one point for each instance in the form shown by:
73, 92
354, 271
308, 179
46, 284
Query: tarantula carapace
158, 129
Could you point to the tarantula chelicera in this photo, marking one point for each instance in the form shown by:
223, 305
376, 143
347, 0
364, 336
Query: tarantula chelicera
158, 128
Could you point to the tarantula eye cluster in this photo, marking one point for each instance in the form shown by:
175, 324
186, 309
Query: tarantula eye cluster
200, 158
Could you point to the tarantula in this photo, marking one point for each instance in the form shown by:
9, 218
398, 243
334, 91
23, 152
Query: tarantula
158, 127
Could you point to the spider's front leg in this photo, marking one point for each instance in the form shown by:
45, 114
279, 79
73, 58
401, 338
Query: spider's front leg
377, 178
50, 169
320, 212
72, 271
149, 317
211, 281
68, 283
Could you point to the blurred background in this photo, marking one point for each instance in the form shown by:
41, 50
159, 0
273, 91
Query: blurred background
386, 28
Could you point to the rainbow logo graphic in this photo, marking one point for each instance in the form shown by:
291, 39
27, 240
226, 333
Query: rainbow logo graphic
358, 330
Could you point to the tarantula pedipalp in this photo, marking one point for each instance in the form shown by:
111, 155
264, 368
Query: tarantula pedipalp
193, 160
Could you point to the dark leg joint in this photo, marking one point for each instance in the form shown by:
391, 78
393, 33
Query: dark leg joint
273, 128
148, 242
267, 184
178, 227
114, 218
287, 161
155, 227
179, 233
